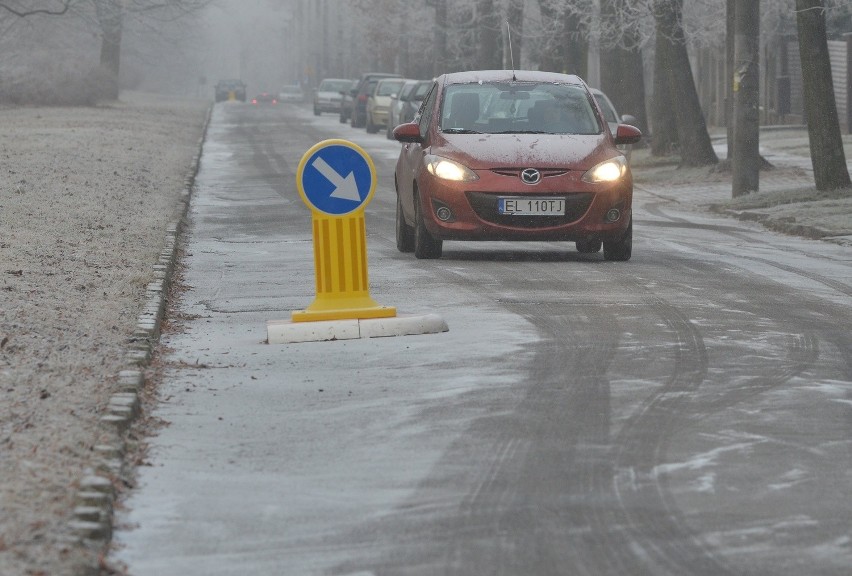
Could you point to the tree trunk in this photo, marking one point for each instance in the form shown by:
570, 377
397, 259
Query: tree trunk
110, 14
664, 135
829, 161
440, 62
568, 51
746, 89
696, 148
489, 46
730, 32
622, 68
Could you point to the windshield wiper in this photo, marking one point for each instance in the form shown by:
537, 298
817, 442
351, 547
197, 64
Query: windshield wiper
460, 131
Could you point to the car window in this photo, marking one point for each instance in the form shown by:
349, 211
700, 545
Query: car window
407, 90
388, 88
421, 90
518, 107
333, 86
370, 86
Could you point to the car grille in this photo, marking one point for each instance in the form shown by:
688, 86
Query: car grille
485, 206
517, 172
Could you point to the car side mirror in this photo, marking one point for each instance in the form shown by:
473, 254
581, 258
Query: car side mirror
408, 133
626, 134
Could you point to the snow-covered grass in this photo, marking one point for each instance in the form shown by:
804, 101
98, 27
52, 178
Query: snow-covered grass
86, 196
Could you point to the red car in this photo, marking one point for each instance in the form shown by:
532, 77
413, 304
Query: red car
513, 155
264, 98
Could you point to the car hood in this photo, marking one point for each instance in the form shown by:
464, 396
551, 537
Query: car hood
486, 151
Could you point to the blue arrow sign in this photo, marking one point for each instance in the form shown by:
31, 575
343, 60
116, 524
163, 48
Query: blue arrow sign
336, 177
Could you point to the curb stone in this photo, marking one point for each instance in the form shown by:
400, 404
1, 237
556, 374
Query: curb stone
92, 518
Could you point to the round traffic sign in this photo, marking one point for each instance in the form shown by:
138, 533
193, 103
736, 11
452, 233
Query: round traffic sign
336, 177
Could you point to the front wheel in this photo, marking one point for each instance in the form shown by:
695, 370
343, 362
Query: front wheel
426, 247
620, 250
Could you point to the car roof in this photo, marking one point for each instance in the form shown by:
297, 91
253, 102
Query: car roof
509, 76
371, 75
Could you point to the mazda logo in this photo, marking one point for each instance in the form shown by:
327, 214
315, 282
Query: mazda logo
530, 176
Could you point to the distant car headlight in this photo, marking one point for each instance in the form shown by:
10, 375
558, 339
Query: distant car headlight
448, 170
608, 171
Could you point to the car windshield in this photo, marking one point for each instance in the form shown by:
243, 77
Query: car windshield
518, 108
334, 85
388, 88
291, 89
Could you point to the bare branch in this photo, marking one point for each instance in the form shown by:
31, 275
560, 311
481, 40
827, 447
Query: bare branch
47, 11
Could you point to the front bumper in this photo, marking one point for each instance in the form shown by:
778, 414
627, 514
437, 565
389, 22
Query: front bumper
327, 105
475, 215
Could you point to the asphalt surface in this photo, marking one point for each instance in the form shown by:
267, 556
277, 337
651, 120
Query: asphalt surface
685, 413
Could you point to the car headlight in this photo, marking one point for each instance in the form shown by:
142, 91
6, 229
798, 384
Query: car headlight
607, 171
448, 170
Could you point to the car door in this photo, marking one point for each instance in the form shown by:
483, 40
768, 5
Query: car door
411, 156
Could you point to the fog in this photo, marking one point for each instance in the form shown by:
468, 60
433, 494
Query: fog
186, 47
183, 50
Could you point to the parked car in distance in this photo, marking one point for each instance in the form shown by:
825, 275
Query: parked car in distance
291, 93
346, 102
405, 105
230, 90
327, 96
360, 94
613, 119
513, 155
378, 103
264, 98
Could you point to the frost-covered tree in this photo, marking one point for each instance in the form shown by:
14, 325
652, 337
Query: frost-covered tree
60, 38
110, 16
829, 161
696, 148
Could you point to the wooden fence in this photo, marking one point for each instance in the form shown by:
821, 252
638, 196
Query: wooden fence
781, 99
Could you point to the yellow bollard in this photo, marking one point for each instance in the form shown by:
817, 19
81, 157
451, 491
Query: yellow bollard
327, 181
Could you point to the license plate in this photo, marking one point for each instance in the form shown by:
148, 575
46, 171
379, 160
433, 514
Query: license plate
531, 206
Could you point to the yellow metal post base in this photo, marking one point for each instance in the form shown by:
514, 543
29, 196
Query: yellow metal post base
343, 309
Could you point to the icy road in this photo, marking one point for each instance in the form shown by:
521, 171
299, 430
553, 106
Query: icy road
688, 412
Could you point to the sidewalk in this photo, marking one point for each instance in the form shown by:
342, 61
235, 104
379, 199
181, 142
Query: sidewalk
787, 200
